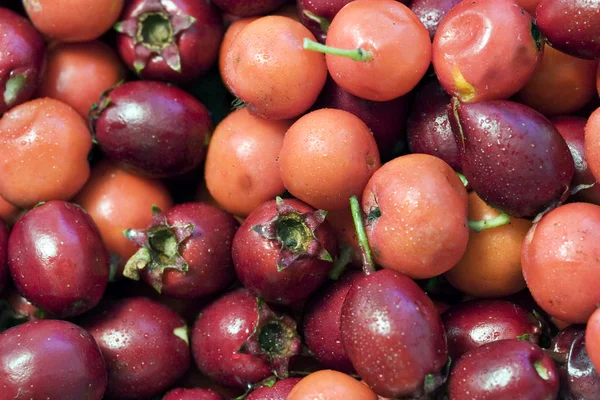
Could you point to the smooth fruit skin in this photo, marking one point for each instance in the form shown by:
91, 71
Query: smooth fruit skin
192, 394
431, 12
289, 83
21, 61
592, 339
255, 259
328, 156
207, 252
230, 34
117, 200
571, 26
560, 261
579, 379
592, 142
70, 64
502, 370
473, 34
55, 19
321, 324
198, 45
57, 259
248, 8
428, 128
421, 199
3, 255
45, 145
241, 169
218, 334
398, 40
561, 85
153, 128
475, 323
572, 130
330, 385
50, 359
279, 391
144, 344
508, 148
491, 266
392, 334
385, 119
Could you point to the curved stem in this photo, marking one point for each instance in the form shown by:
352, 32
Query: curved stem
323, 22
481, 225
368, 265
354, 54
463, 179
340, 263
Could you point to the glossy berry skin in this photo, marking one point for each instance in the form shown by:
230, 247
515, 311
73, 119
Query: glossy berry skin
248, 8
152, 128
144, 344
22, 60
192, 394
220, 332
428, 128
57, 259
572, 130
50, 359
256, 259
207, 252
475, 32
392, 334
188, 51
502, 370
431, 12
475, 323
592, 334
508, 148
279, 391
579, 380
3, 255
571, 26
321, 324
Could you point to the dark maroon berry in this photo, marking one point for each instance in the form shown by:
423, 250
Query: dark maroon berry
283, 251
431, 12
153, 128
572, 130
144, 344
248, 8
50, 359
22, 59
279, 391
579, 380
477, 322
506, 369
192, 394
393, 335
57, 259
571, 26
175, 40
185, 252
317, 14
386, 119
512, 156
237, 340
428, 127
321, 327
3, 255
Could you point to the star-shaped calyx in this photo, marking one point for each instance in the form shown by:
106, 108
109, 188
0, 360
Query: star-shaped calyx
274, 338
154, 31
159, 249
295, 232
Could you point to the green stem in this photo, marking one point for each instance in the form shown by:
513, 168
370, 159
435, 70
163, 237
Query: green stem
340, 263
482, 225
463, 179
355, 54
368, 264
323, 22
